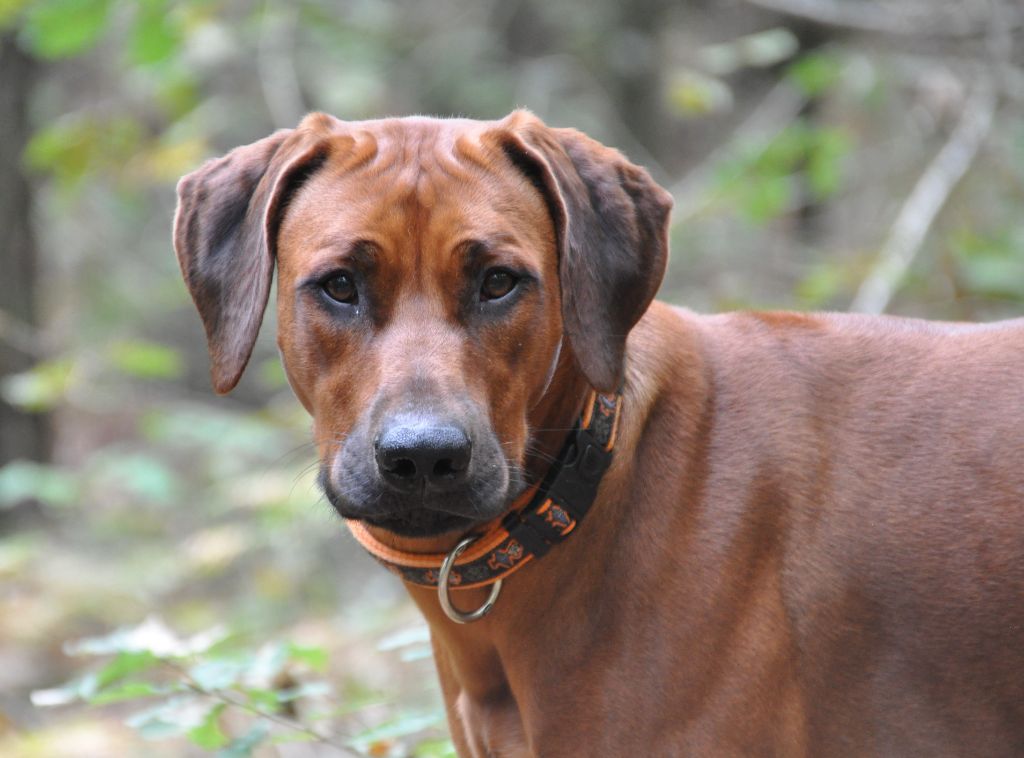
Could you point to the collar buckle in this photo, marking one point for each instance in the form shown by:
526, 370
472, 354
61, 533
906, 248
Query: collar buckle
461, 617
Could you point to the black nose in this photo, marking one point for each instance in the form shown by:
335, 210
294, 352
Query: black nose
413, 451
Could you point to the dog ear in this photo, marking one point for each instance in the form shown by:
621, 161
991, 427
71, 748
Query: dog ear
611, 223
225, 231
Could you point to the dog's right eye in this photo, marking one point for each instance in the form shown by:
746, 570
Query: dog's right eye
340, 288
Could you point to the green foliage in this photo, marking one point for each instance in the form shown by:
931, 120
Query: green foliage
73, 148
763, 181
223, 696
758, 50
991, 264
146, 360
64, 28
815, 73
41, 387
22, 481
693, 93
157, 33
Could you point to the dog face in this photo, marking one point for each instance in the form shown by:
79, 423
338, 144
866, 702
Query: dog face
429, 274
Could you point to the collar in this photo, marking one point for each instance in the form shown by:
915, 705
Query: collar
543, 516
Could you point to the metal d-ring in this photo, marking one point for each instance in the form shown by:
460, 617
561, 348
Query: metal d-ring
450, 610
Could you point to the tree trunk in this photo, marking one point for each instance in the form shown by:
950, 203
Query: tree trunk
22, 435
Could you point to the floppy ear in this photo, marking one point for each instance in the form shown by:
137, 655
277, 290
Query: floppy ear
225, 232
611, 223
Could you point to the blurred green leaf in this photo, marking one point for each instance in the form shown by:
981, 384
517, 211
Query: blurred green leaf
405, 724
41, 387
137, 474
9, 10
991, 264
243, 746
209, 735
28, 480
156, 34
824, 165
312, 656
306, 689
173, 717
815, 73
129, 690
74, 146
763, 198
123, 664
769, 47
822, 284
218, 673
146, 360
758, 50
63, 28
435, 748
152, 635
80, 688
692, 93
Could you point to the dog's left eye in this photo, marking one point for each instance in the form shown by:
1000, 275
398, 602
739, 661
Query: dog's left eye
497, 283
341, 288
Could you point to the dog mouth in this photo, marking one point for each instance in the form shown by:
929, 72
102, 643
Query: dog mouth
422, 523
423, 514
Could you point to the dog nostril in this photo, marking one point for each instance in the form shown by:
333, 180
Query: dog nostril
403, 468
445, 468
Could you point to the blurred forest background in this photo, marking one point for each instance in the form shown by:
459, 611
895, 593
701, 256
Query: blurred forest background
170, 582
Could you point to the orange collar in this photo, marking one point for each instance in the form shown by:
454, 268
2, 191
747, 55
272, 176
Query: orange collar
541, 517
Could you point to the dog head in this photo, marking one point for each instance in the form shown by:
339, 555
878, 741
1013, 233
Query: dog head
429, 273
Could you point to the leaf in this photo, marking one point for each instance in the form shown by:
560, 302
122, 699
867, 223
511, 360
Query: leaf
151, 635
179, 715
763, 198
27, 480
769, 47
41, 387
814, 73
9, 10
72, 147
146, 360
824, 165
692, 93
124, 664
76, 689
218, 674
403, 725
140, 475
242, 747
266, 665
130, 690
306, 689
412, 635
209, 735
156, 34
63, 28
312, 656
435, 748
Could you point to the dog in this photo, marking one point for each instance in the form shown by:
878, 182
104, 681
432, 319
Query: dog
803, 534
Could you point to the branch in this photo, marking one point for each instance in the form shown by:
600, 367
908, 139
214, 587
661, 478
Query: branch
909, 20
274, 61
921, 208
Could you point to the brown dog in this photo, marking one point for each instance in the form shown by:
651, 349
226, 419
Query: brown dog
810, 540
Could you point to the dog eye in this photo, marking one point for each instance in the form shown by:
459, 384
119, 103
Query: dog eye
497, 283
341, 288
